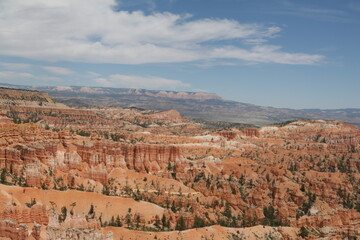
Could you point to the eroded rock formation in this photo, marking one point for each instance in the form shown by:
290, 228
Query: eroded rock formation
155, 171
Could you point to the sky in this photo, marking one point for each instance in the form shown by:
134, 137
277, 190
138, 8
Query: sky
280, 53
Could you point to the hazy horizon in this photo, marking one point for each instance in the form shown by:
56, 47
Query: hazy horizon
78, 86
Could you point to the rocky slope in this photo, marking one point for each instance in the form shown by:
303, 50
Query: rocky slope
27, 98
129, 174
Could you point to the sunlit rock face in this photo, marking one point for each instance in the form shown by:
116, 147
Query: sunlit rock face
81, 174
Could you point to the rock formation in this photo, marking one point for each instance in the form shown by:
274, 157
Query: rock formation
112, 173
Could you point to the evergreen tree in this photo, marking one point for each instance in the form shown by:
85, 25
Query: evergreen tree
63, 214
138, 221
128, 219
271, 216
163, 221
173, 208
3, 176
157, 221
198, 222
106, 191
91, 213
180, 224
227, 212
118, 222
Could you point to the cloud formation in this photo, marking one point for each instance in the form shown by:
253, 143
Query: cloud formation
91, 31
133, 81
15, 66
58, 70
15, 77
6, 75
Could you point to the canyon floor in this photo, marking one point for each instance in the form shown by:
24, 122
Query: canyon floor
127, 173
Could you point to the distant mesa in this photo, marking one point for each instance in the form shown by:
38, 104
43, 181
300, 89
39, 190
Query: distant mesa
130, 91
196, 105
184, 95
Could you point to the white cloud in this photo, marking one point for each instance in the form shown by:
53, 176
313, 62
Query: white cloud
90, 31
12, 77
148, 82
93, 74
50, 79
58, 70
15, 66
267, 54
6, 75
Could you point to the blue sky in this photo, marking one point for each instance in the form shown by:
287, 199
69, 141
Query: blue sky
281, 53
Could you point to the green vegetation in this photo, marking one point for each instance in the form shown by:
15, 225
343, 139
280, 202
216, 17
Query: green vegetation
17, 119
198, 222
271, 217
304, 233
3, 176
116, 137
304, 209
221, 125
83, 133
227, 212
114, 222
63, 214
31, 203
180, 224
357, 206
91, 213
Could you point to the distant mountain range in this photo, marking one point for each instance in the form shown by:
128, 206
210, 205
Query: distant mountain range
207, 106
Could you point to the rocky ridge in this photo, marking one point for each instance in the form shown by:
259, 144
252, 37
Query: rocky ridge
207, 106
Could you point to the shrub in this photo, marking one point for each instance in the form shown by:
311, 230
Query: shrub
304, 233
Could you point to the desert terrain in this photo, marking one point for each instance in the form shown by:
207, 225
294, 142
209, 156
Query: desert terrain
128, 173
